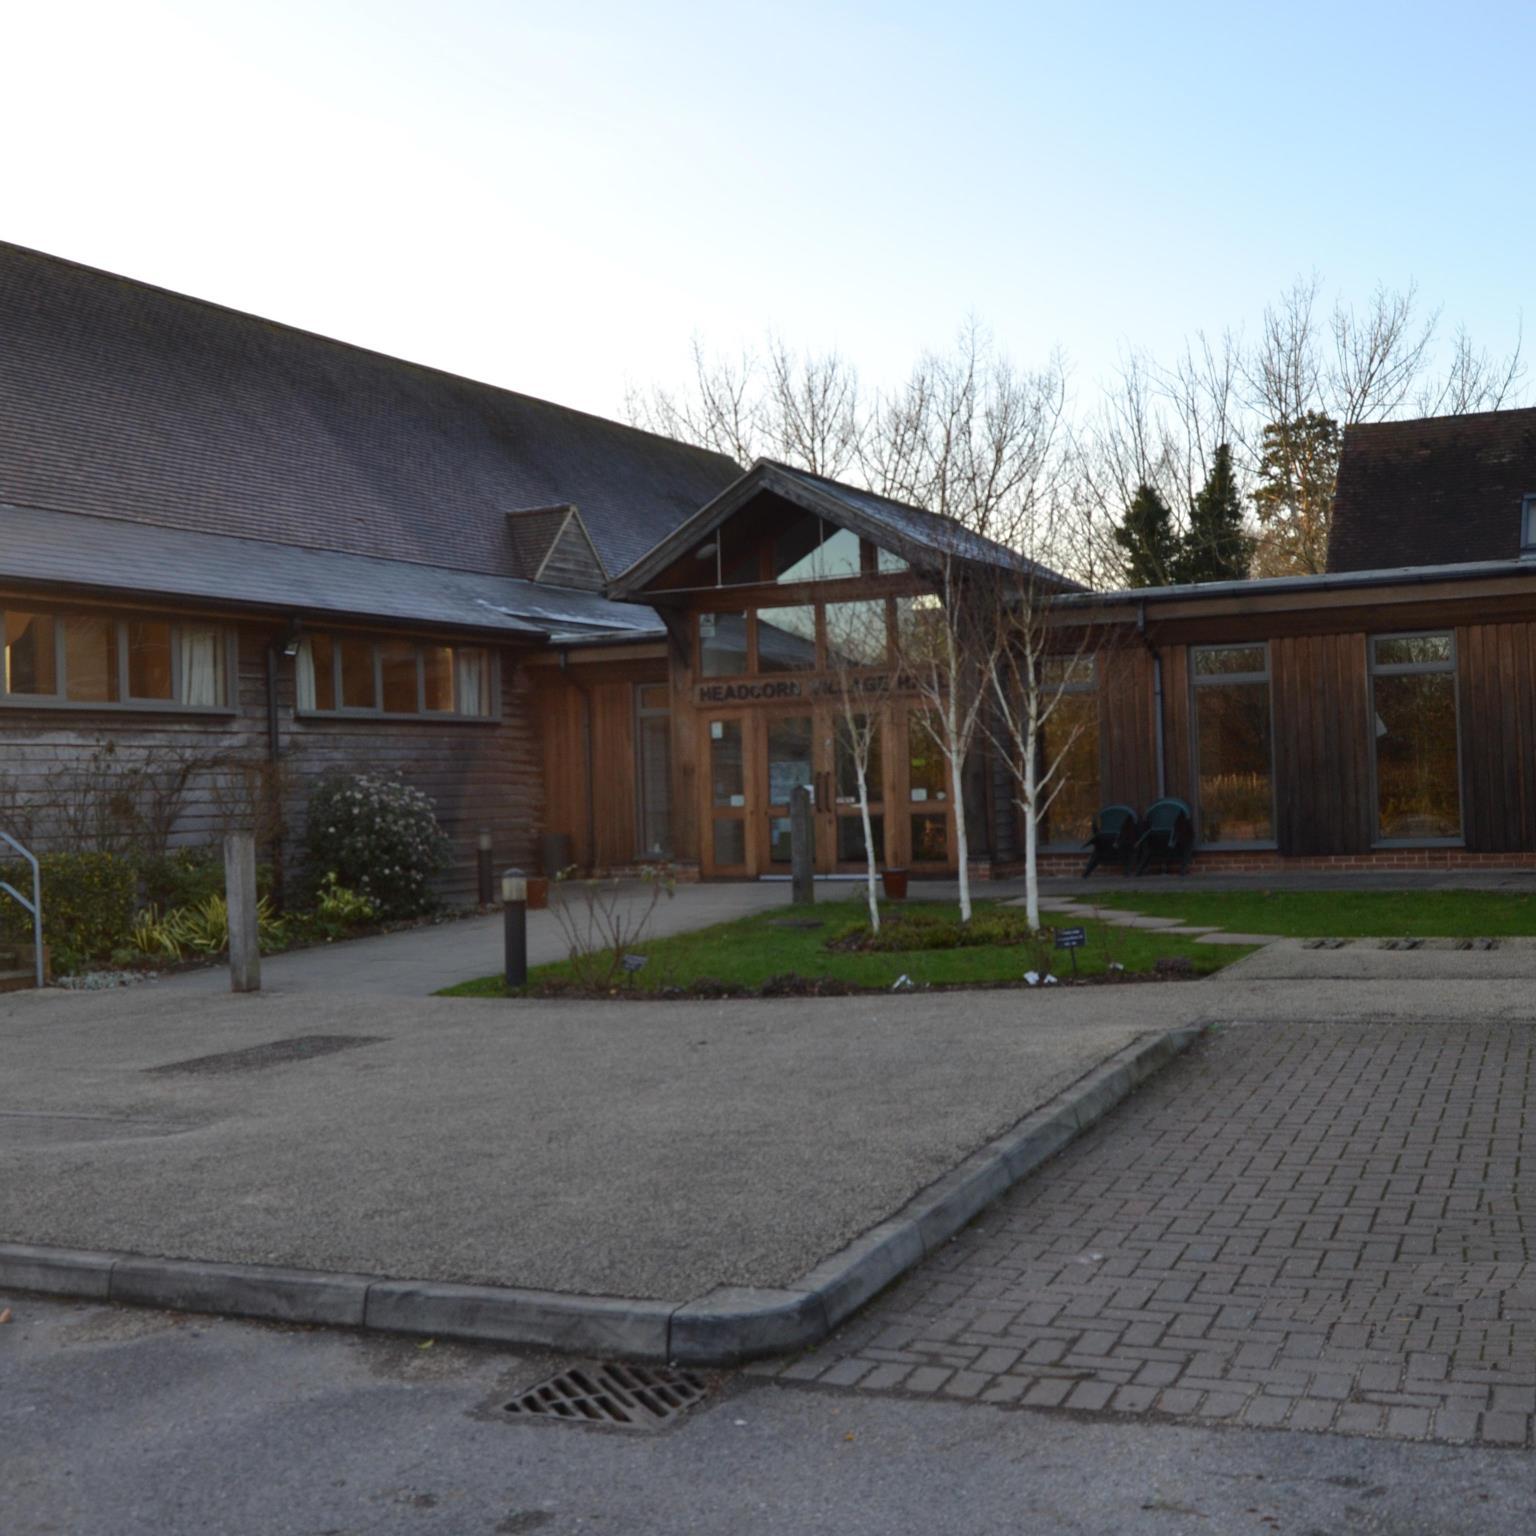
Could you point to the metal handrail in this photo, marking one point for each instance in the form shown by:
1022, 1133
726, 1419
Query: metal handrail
35, 906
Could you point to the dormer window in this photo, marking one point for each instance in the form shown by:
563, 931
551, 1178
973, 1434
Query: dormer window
1528, 526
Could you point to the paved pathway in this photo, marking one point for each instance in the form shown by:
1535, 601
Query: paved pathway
1310, 1227
420, 961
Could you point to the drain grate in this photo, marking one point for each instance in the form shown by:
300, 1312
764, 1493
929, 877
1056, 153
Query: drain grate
623, 1396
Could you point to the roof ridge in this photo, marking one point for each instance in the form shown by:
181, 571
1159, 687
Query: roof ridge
1442, 416
357, 347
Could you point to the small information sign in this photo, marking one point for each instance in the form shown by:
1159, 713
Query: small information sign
1071, 940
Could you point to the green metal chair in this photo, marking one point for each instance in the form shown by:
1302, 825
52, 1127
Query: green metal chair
1115, 828
1168, 834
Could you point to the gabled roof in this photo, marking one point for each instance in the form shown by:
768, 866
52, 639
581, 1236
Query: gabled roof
68, 551
127, 401
911, 532
1441, 490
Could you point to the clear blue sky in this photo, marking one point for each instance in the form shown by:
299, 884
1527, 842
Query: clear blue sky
556, 197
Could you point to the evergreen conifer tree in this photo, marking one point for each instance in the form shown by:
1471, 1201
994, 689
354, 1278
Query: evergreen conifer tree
1151, 544
1215, 546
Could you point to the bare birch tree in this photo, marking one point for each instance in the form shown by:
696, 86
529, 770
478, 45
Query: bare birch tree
802, 408
974, 441
857, 643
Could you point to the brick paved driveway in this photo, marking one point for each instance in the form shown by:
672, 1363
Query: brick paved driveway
1300, 1226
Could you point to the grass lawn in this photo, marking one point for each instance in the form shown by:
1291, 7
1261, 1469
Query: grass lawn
752, 950
1342, 914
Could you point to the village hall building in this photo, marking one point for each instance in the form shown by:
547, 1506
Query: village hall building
224, 539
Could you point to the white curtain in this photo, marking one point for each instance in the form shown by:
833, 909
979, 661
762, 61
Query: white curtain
471, 682
304, 674
202, 666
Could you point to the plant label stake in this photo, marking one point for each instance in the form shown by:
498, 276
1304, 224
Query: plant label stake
1071, 940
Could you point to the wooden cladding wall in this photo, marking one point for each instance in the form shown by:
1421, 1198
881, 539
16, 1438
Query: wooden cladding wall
1496, 681
1178, 746
1322, 744
478, 774
1128, 726
587, 738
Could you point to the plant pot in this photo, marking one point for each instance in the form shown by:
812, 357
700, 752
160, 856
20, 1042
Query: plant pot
538, 893
895, 883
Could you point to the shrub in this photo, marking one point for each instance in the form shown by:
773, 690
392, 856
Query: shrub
186, 876
377, 836
88, 901
337, 911
205, 927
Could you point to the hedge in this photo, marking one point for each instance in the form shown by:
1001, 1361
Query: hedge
88, 905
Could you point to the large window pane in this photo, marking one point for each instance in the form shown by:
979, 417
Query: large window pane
811, 550
320, 693
1417, 778
789, 757
730, 837
90, 659
727, 766
846, 762
722, 644
1070, 742
655, 760
397, 665
930, 839
786, 638
149, 659
927, 767
437, 678
850, 839
29, 654
1232, 741
856, 634
357, 690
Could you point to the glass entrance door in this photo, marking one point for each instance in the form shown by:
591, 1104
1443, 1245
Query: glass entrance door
727, 851
790, 749
863, 738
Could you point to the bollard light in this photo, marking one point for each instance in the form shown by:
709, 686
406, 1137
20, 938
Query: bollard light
514, 900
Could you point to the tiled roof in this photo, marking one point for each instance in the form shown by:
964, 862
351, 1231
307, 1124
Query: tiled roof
1442, 490
127, 401
70, 551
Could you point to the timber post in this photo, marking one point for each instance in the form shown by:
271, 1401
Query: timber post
240, 900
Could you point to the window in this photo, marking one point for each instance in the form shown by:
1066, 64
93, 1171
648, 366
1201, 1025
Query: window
786, 638
811, 550
1418, 773
1233, 766
653, 767
1069, 749
1528, 526
790, 740
722, 644
347, 674
102, 661
856, 634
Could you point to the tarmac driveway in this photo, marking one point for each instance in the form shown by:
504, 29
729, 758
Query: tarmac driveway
649, 1150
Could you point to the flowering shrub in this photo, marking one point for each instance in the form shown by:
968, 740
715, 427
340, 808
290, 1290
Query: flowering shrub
376, 836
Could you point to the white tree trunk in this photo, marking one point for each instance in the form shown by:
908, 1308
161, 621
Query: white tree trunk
869, 849
1032, 811
962, 846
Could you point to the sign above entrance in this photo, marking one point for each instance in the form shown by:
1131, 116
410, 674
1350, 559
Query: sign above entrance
776, 690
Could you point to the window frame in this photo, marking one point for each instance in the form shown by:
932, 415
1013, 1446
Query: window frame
376, 644
123, 704
1091, 687
642, 713
1528, 526
1375, 669
1216, 679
